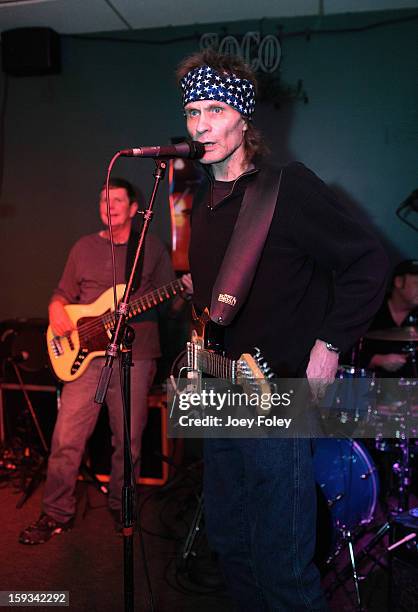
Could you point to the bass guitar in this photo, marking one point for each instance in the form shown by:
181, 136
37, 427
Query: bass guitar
70, 355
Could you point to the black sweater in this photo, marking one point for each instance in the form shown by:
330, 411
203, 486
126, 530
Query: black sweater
321, 274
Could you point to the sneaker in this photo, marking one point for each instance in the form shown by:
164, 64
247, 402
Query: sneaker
43, 529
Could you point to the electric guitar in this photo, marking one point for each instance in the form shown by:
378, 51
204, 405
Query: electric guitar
204, 356
70, 355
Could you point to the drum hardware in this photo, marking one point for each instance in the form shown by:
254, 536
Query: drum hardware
337, 498
400, 411
411, 349
395, 334
31, 484
367, 474
366, 552
33, 464
403, 412
347, 477
349, 540
348, 407
401, 467
402, 470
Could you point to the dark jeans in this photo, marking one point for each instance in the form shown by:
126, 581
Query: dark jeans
260, 504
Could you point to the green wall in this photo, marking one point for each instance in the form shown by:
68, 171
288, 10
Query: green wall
358, 132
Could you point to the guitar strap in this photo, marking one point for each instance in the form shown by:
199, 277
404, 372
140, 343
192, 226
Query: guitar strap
238, 268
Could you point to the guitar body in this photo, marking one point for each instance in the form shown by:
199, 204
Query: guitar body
70, 355
205, 356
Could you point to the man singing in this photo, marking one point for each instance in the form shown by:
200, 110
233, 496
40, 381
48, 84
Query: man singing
304, 280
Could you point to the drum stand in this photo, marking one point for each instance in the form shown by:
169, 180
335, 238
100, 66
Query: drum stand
350, 570
402, 470
349, 541
31, 486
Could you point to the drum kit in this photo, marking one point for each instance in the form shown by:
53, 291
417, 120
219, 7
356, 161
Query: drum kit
346, 474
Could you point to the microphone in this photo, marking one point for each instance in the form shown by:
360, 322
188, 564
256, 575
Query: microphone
191, 150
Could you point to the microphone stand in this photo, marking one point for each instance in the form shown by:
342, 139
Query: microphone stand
123, 335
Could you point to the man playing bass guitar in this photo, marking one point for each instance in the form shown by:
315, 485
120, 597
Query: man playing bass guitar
87, 275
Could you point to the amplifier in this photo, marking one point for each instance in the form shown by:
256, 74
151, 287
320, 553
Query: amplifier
404, 564
154, 471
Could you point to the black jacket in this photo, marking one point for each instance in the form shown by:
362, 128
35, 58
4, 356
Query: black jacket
321, 274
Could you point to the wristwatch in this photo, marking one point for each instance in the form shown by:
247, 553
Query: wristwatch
332, 348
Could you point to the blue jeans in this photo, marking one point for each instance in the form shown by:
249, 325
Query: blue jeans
260, 507
76, 420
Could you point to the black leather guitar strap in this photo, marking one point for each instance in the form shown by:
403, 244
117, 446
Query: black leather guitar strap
237, 271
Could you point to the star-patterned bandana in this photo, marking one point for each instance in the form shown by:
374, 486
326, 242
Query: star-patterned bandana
205, 83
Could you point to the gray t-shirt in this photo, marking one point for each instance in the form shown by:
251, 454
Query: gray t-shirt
88, 273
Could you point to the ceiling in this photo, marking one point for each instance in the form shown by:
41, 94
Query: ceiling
83, 16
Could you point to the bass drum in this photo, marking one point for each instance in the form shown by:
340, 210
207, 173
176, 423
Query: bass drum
348, 488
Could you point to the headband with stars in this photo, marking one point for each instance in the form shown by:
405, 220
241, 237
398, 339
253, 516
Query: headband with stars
205, 83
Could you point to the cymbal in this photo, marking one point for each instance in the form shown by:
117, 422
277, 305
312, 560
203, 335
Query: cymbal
399, 334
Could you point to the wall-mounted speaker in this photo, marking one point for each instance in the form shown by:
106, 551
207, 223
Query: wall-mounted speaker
31, 52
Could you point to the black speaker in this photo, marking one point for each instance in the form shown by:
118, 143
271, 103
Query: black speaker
31, 52
404, 565
154, 471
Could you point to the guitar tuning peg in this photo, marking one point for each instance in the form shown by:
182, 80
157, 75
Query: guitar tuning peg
257, 352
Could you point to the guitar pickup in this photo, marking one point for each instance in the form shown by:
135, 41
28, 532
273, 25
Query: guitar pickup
56, 346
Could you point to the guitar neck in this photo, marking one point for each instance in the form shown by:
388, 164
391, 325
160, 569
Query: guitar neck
216, 365
151, 300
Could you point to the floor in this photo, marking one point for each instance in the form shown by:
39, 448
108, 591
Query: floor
88, 561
